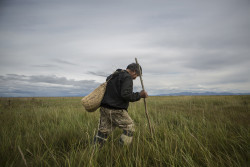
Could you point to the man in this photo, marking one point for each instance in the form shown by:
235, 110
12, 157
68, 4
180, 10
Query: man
119, 93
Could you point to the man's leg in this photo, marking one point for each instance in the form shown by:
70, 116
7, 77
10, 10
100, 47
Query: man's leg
105, 127
126, 137
100, 138
124, 121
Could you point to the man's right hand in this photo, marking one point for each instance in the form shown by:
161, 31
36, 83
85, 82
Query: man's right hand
143, 94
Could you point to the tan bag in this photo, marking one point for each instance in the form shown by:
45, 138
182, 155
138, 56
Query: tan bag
93, 101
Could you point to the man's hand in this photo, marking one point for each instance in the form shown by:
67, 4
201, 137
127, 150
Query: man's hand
143, 94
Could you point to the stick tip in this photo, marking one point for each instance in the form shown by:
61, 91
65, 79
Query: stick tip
136, 60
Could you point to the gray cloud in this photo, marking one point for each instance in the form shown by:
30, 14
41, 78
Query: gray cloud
45, 66
60, 61
22, 85
101, 74
181, 45
216, 60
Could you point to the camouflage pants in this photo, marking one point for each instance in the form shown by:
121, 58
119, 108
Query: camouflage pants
112, 118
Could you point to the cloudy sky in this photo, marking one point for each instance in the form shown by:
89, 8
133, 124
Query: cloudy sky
67, 48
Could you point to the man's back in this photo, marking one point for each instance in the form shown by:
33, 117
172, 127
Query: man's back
119, 91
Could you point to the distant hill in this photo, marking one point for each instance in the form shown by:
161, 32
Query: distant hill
201, 94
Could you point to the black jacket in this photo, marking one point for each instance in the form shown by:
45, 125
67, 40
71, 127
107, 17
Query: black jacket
119, 91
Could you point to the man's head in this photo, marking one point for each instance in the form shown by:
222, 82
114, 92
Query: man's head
133, 70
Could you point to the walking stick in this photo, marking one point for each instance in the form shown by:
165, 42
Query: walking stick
145, 104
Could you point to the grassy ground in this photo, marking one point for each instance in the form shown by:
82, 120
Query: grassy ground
188, 131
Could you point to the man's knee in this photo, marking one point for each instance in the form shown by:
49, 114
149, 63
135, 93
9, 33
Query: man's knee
130, 127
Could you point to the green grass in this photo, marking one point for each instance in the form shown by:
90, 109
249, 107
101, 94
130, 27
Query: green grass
188, 131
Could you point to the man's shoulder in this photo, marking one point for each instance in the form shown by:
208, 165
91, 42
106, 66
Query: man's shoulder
124, 74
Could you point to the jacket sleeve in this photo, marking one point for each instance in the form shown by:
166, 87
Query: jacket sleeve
127, 90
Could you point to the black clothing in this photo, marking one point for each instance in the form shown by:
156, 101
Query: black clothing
119, 91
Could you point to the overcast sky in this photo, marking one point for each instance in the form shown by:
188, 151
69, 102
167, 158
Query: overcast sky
67, 48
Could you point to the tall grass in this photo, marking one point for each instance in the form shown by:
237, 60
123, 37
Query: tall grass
188, 131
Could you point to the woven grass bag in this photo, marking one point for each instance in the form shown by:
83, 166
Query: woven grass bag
92, 101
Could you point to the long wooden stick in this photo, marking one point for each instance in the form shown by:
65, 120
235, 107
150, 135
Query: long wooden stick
145, 104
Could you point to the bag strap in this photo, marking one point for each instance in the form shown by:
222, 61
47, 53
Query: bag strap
109, 78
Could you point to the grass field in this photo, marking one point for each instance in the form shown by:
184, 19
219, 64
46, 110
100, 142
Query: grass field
188, 131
